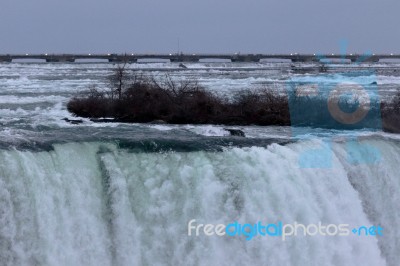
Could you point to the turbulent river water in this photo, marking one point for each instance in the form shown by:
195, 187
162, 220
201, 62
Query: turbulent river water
123, 194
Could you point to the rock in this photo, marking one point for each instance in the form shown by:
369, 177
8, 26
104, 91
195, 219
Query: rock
73, 121
158, 122
235, 132
103, 120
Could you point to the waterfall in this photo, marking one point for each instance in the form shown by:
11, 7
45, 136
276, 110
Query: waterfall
96, 203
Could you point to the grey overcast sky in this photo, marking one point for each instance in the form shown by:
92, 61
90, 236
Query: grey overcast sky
247, 26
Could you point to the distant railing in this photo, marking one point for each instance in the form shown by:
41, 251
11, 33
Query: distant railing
237, 57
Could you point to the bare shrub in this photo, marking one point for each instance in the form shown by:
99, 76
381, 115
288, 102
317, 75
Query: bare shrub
142, 99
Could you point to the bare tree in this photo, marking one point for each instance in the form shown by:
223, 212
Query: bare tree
119, 79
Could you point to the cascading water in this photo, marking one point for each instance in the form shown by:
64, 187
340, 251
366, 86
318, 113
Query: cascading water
124, 194
98, 204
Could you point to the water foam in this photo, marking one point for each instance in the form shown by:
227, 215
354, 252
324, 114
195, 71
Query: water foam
97, 204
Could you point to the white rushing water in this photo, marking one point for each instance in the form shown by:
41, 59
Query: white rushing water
36, 94
96, 204
123, 194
